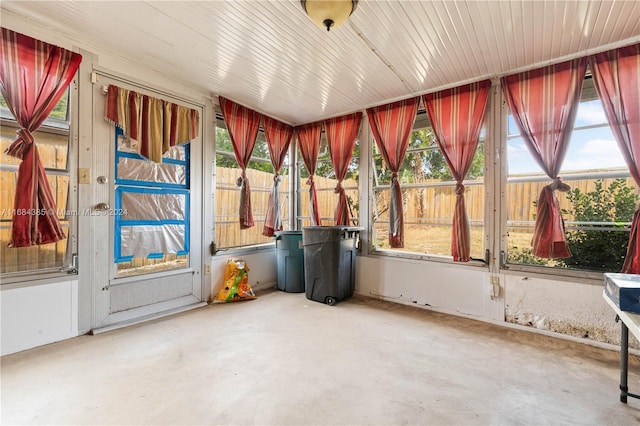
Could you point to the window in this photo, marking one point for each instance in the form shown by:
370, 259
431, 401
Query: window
325, 185
428, 192
260, 173
151, 214
55, 146
597, 210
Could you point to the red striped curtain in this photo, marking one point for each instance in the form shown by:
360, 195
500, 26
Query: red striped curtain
391, 125
33, 77
242, 125
341, 138
544, 103
457, 116
278, 135
156, 124
308, 137
616, 75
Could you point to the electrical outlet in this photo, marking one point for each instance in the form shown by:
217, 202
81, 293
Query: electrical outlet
207, 269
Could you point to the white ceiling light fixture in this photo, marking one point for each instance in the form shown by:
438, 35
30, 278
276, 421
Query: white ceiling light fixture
329, 13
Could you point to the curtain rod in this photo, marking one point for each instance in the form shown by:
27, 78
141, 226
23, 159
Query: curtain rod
138, 83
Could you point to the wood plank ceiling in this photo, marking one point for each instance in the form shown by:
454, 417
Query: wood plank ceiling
269, 56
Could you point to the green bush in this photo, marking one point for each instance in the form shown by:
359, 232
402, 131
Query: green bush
594, 248
525, 256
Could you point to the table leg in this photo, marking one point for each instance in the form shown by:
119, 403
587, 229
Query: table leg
624, 362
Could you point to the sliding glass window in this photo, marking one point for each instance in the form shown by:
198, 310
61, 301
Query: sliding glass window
428, 197
56, 148
325, 179
597, 210
227, 196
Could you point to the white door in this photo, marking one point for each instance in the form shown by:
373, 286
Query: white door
145, 223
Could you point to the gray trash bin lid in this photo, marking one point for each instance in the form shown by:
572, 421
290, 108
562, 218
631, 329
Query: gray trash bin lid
323, 234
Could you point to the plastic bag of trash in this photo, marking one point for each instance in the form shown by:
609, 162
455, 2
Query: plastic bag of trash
236, 282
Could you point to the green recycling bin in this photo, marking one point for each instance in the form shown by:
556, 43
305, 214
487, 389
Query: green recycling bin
290, 261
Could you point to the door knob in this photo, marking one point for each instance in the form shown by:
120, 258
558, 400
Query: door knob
102, 206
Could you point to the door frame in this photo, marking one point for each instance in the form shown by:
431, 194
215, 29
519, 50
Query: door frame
156, 286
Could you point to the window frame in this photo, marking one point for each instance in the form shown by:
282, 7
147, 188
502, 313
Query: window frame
422, 122
588, 94
258, 219
323, 158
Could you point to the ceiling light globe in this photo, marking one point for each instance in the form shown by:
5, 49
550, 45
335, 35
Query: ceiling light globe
329, 13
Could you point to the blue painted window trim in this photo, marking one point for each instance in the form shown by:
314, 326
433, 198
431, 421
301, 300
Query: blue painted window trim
137, 186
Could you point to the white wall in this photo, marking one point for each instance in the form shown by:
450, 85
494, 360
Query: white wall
568, 308
37, 315
456, 289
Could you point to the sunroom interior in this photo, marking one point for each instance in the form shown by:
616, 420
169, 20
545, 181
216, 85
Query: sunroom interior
450, 229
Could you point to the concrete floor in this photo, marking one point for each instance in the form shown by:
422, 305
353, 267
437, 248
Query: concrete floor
282, 359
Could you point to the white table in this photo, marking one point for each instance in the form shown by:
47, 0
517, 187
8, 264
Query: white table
630, 322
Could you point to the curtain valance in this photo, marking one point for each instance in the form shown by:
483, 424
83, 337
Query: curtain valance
156, 124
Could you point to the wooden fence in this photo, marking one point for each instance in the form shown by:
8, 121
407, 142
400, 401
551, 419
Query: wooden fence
435, 204
53, 154
227, 200
422, 206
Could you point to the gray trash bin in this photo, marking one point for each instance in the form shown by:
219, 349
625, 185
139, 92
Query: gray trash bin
330, 262
289, 261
